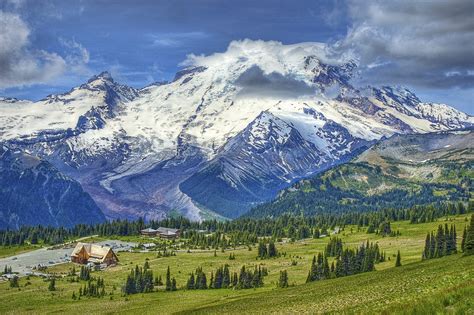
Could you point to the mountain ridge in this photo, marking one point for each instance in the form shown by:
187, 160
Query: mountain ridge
400, 171
142, 152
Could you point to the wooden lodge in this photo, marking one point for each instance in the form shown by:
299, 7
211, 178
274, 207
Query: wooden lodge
85, 253
166, 233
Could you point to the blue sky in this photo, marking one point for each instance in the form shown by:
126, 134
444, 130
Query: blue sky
65, 42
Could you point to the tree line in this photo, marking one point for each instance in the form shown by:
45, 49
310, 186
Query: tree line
242, 231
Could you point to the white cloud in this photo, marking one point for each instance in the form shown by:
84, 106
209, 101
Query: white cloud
413, 42
77, 58
272, 51
22, 65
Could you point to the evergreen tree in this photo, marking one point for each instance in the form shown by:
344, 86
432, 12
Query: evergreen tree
385, 229
52, 284
14, 282
283, 281
201, 280
262, 250
426, 250
190, 285
173, 285
235, 280
334, 247
140, 280
444, 243
440, 248
272, 251
129, 286
469, 242
226, 277
168, 279
463, 241
85, 273
398, 262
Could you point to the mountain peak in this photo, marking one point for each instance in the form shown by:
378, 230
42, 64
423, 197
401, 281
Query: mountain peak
104, 75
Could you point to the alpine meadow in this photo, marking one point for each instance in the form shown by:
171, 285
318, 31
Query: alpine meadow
215, 157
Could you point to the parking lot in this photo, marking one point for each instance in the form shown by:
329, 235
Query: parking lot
24, 263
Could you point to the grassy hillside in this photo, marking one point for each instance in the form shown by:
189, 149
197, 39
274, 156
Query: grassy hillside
387, 288
425, 287
398, 172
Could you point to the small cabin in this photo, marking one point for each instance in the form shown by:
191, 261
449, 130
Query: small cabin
85, 253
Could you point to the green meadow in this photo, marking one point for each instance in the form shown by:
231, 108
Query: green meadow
443, 285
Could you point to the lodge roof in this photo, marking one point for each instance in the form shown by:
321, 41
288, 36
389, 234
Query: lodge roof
167, 231
95, 253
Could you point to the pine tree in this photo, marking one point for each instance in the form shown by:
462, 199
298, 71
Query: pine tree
272, 251
283, 281
440, 249
173, 285
52, 285
168, 279
262, 250
190, 283
211, 282
426, 250
463, 241
226, 277
312, 271
14, 282
325, 271
85, 273
235, 280
129, 286
398, 262
454, 237
469, 242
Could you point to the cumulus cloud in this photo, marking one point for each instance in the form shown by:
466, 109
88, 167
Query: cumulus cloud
18, 64
255, 83
21, 65
425, 43
276, 55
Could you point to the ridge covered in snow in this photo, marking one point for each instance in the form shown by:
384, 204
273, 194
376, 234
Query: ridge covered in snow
248, 121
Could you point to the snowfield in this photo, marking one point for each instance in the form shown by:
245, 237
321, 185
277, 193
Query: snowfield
256, 117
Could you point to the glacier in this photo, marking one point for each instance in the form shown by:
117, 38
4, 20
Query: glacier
230, 131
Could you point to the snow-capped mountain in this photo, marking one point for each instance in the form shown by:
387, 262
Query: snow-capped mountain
228, 132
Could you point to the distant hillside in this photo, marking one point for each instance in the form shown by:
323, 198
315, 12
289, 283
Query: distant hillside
33, 192
402, 171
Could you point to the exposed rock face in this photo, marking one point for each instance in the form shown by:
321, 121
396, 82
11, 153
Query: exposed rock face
228, 132
33, 192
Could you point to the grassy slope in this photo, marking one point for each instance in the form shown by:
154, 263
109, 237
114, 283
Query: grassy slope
391, 290
35, 298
